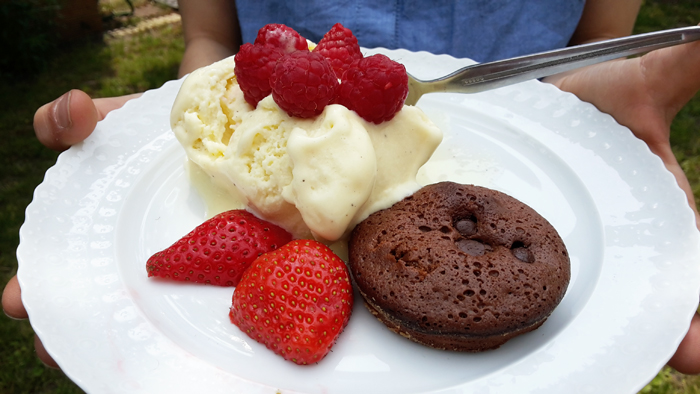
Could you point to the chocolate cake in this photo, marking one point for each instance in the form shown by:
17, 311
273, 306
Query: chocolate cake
459, 267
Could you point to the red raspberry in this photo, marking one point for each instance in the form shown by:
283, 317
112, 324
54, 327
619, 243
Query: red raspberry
254, 65
303, 83
340, 47
281, 36
375, 87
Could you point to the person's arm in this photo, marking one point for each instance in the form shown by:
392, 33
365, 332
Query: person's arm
211, 31
644, 95
606, 19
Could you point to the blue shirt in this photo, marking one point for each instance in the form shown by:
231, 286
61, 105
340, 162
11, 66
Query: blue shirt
482, 30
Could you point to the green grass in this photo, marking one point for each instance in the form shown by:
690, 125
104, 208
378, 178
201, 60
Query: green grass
133, 64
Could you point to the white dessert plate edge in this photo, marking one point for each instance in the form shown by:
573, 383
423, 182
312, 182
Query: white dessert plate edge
90, 320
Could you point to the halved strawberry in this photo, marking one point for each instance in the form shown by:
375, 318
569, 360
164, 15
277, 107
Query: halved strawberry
219, 250
295, 300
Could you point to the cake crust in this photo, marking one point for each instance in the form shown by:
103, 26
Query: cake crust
459, 267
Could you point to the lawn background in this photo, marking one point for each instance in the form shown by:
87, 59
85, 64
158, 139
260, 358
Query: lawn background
114, 65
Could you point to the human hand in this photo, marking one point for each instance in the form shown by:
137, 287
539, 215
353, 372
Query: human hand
645, 94
72, 117
59, 124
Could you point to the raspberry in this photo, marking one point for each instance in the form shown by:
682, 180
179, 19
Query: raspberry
281, 36
375, 87
340, 47
303, 83
254, 65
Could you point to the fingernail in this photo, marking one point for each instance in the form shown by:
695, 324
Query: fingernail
14, 317
61, 111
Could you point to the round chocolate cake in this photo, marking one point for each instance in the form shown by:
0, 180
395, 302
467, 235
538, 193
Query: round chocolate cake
459, 267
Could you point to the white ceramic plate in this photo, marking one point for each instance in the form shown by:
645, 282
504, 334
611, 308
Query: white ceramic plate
123, 194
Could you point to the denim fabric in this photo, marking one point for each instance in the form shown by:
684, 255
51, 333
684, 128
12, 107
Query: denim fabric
482, 30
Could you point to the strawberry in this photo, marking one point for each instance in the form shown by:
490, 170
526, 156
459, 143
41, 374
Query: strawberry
219, 250
295, 300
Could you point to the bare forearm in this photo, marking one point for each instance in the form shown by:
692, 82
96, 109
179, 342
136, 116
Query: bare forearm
202, 52
606, 19
211, 32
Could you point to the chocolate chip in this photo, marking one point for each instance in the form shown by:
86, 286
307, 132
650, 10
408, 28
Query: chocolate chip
473, 247
466, 226
523, 254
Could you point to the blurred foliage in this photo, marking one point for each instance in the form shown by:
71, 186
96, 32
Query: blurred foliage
668, 381
27, 36
667, 14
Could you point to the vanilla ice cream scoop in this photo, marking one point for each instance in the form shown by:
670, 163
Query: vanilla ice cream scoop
315, 177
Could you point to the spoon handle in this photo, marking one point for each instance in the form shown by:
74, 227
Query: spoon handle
486, 76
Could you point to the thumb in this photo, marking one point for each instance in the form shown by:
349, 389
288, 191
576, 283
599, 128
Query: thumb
72, 117
687, 358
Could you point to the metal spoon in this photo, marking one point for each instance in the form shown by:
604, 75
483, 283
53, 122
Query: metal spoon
486, 76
